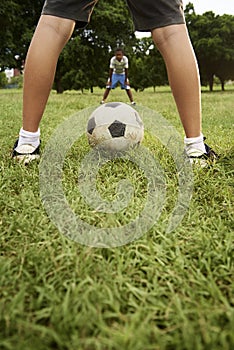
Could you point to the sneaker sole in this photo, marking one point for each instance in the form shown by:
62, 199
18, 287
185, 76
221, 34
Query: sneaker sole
26, 158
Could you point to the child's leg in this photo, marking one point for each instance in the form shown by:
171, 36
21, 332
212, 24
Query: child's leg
174, 44
106, 93
125, 85
51, 35
129, 93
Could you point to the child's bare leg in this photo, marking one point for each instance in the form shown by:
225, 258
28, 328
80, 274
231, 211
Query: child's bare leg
174, 44
51, 35
129, 93
106, 93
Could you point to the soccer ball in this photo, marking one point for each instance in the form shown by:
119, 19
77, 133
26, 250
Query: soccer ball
115, 127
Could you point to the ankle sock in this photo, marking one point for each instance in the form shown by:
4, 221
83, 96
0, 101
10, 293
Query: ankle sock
29, 138
195, 143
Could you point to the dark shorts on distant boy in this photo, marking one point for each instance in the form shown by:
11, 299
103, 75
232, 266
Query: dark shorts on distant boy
146, 14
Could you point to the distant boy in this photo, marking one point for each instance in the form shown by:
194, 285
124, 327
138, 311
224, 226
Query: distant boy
118, 74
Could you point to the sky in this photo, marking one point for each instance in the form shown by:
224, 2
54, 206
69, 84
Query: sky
219, 7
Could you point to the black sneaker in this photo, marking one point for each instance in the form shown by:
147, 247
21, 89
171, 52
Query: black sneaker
202, 159
25, 153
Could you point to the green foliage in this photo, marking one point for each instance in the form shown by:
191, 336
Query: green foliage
17, 80
85, 60
111, 26
87, 65
3, 80
212, 38
18, 20
147, 66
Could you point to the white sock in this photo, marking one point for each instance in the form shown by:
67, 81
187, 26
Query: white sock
194, 143
29, 138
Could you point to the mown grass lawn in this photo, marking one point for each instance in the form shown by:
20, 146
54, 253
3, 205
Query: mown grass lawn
164, 291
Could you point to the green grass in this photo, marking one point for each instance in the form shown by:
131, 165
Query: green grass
161, 292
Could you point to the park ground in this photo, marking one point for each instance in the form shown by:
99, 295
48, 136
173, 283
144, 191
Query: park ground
164, 291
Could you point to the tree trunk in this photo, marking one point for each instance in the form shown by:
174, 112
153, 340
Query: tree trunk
211, 82
222, 84
58, 86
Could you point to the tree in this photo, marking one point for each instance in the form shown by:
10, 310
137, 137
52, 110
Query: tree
3, 80
147, 66
212, 38
18, 19
84, 62
85, 59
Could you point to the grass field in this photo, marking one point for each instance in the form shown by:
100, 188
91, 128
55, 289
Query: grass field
164, 291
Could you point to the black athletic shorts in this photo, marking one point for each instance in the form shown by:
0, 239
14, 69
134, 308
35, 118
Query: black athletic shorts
146, 14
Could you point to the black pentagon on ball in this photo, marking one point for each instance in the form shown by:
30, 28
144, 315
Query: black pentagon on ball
117, 129
91, 125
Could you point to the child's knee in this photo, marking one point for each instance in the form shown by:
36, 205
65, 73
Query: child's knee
164, 35
61, 27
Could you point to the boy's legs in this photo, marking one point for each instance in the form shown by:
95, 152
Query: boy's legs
165, 19
174, 44
53, 31
111, 84
105, 95
126, 87
129, 93
51, 35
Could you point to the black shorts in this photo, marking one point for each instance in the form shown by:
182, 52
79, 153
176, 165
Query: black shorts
146, 14
150, 14
78, 10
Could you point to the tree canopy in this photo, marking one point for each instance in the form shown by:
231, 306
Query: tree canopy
213, 38
18, 19
85, 59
